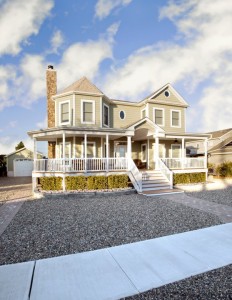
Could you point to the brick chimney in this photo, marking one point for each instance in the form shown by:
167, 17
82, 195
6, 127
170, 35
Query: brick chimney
51, 81
51, 91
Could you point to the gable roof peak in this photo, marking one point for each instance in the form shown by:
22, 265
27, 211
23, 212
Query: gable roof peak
82, 85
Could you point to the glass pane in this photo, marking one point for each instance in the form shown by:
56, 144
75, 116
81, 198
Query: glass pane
106, 115
88, 117
158, 116
175, 118
64, 112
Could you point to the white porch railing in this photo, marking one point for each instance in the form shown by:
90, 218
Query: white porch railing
80, 164
165, 171
135, 175
185, 163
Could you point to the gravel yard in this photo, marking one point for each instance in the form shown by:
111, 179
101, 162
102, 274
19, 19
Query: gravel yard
52, 227
221, 196
216, 284
15, 188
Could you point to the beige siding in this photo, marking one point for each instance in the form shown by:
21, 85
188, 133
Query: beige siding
132, 114
171, 100
167, 117
75, 110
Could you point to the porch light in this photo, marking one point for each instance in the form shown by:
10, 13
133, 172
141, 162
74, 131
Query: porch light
175, 141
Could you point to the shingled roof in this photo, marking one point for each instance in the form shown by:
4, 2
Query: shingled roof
82, 85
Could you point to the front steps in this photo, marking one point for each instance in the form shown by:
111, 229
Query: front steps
154, 183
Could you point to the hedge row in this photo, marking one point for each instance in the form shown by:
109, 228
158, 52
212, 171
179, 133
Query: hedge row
85, 182
51, 183
188, 178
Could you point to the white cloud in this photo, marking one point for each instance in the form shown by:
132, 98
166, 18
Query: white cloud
201, 54
19, 19
57, 41
104, 7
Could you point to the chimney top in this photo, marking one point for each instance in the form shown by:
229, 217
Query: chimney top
50, 67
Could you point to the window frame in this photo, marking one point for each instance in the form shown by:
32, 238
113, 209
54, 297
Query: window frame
142, 110
83, 148
179, 111
144, 144
107, 106
121, 110
179, 145
82, 111
157, 108
69, 112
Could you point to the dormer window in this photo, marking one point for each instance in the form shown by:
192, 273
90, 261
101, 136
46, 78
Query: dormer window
64, 112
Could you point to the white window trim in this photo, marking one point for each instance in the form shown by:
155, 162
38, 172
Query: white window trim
143, 111
179, 151
142, 152
82, 111
179, 111
157, 108
124, 114
60, 103
61, 146
108, 115
94, 148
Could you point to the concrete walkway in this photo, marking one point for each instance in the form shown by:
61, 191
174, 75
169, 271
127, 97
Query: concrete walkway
7, 213
224, 212
121, 271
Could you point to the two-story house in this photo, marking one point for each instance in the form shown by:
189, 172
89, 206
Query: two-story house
89, 132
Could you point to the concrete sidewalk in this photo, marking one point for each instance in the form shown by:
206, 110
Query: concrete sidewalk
121, 271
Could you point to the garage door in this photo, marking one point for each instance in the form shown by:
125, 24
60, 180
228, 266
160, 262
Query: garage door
23, 167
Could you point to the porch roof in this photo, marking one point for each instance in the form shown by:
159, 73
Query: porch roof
55, 132
188, 135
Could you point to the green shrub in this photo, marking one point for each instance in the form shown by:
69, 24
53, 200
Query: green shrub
188, 178
100, 183
224, 169
51, 183
91, 182
117, 181
76, 182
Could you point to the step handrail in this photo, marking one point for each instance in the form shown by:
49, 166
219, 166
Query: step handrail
165, 171
135, 175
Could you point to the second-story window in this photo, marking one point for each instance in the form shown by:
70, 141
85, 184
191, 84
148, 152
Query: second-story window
175, 118
64, 112
106, 115
159, 116
88, 112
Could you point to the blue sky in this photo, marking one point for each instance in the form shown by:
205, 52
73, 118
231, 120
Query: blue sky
128, 48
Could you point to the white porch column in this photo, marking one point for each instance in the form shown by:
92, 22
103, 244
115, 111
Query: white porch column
107, 152
182, 153
102, 146
205, 150
35, 148
63, 160
148, 158
128, 146
74, 147
34, 180
85, 151
156, 150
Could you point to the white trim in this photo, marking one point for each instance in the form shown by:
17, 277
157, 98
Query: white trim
179, 111
179, 151
55, 114
88, 101
154, 109
69, 112
144, 109
132, 127
142, 153
74, 110
104, 148
82, 148
66, 144
101, 112
108, 115
148, 155
74, 147
124, 115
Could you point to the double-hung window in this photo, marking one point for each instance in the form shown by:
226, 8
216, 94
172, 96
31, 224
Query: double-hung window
106, 115
65, 112
159, 116
88, 111
175, 118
